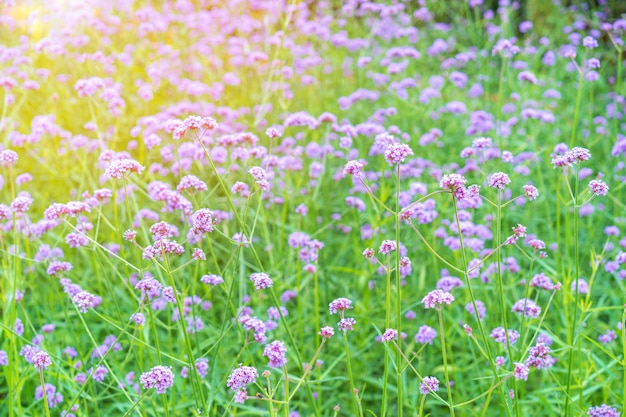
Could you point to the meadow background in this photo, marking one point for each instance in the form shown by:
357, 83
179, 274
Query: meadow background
357, 208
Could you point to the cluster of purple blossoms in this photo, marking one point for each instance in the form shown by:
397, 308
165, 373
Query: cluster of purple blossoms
500, 336
85, 300
542, 281
239, 379
276, 352
121, 168
598, 187
212, 279
54, 398
326, 332
526, 308
191, 183
387, 247
352, 168
521, 371
571, 157
499, 180
162, 247
202, 221
429, 384
41, 360
8, 157
539, 356
425, 334
339, 305
396, 153
260, 177
480, 308
602, 411
346, 324
437, 298
390, 334
180, 128
531, 192
261, 280
159, 377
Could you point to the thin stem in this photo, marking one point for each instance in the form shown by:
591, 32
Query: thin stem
43, 389
398, 291
445, 361
353, 393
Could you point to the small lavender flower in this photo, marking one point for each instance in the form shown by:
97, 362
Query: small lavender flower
598, 187
396, 153
387, 247
429, 384
276, 352
602, 411
526, 308
239, 379
353, 168
261, 280
84, 300
339, 305
521, 371
425, 334
41, 360
327, 332
499, 180
437, 298
212, 279
480, 307
390, 334
346, 324
159, 377
531, 192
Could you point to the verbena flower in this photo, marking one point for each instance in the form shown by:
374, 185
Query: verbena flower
159, 377
429, 384
437, 298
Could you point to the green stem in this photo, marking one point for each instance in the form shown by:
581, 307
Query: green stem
445, 361
398, 292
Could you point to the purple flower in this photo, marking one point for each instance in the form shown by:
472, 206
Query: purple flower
598, 187
41, 360
261, 280
425, 334
84, 300
339, 305
499, 335
352, 168
531, 192
521, 371
276, 352
346, 324
327, 332
212, 279
429, 384
390, 334
387, 247
396, 153
239, 379
159, 377
526, 308
499, 180
602, 411
437, 298
480, 307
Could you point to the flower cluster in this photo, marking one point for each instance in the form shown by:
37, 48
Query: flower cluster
239, 379
160, 377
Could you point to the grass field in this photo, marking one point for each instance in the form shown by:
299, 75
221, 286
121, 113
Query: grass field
312, 208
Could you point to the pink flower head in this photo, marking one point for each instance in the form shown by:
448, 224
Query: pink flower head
121, 168
396, 153
387, 247
41, 360
327, 332
521, 371
273, 133
425, 334
352, 168
261, 280
602, 411
239, 379
276, 352
346, 324
202, 221
531, 192
159, 377
191, 184
84, 300
339, 305
390, 334
452, 182
368, 253
598, 187
429, 384
526, 308
8, 157
437, 298
212, 279
499, 180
